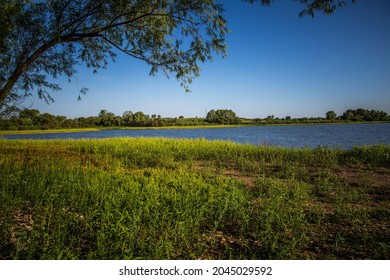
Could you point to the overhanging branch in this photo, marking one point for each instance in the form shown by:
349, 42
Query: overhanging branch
127, 52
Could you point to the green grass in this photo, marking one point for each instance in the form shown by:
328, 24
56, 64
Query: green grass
162, 198
87, 129
43, 131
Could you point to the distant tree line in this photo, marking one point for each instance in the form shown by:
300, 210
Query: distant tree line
351, 115
33, 119
364, 115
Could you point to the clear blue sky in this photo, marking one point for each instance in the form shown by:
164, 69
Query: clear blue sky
277, 64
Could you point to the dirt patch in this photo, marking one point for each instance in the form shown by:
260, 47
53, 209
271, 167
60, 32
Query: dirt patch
22, 225
247, 180
219, 245
363, 177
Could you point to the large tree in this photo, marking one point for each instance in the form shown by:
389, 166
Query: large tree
43, 39
222, 116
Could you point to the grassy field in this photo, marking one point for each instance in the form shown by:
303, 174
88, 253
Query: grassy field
191, 199
87, 129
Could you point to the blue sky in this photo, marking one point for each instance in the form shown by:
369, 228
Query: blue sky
277, 64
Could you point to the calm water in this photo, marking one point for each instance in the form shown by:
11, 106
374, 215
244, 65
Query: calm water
343, 136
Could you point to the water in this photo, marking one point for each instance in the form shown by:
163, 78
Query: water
341, 135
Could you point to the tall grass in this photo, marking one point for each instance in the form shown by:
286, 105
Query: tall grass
162, 198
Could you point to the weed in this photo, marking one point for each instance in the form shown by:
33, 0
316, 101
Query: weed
140, 198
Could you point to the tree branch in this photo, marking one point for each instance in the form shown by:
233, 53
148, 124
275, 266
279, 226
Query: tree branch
130, 53
77, 32
21, 68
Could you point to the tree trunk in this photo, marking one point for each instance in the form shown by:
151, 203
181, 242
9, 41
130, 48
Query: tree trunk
21, 68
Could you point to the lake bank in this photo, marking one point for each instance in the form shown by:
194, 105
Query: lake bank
127, 198
340, 135
87, 129
70, 130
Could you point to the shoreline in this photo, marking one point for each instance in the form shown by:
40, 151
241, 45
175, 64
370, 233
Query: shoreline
92, 129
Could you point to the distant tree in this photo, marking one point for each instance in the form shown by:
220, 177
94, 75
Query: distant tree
47, 38
69, 123
348, 115
140, 119
106, 118
128, 118
222, 116
331, 115
118, 121
154, 120
31, 114
361, 114
49, 121
379, 115
211, 116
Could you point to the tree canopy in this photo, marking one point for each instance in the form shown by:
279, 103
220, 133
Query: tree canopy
45, 39
222, 116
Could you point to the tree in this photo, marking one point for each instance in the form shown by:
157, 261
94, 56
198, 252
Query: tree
211, 116
30, 114
140, 119
128, 118
47, 38
361, 114
222, 117
331, 115
107, 118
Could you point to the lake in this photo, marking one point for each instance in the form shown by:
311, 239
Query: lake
335, 135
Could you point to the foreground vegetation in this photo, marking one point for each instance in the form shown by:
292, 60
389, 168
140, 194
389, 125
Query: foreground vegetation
89, 129
191, 199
